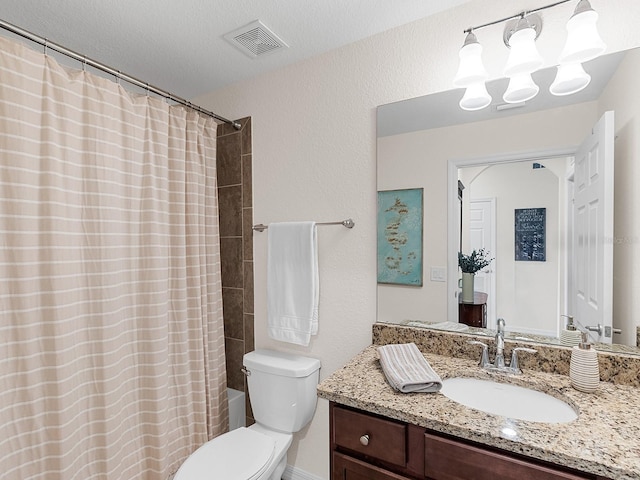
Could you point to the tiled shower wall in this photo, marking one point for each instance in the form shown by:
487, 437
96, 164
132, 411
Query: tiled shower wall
236, 245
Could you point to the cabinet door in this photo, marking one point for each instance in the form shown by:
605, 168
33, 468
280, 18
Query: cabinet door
447, 459
347, 468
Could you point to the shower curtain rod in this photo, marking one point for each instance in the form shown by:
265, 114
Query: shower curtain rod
111, 71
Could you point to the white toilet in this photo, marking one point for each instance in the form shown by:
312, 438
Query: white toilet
282, 390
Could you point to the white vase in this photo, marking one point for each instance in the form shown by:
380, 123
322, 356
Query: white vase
467, 287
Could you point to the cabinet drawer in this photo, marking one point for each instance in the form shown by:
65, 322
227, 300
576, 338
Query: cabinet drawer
347, 468
447, 459
386, 438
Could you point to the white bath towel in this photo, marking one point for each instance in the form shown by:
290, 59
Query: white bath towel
292, 282
407, 370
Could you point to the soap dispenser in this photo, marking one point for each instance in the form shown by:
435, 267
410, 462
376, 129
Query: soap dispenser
570, 335
583, 369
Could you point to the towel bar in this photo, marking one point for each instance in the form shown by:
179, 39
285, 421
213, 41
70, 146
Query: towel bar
345, 223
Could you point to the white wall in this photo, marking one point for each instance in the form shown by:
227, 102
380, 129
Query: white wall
314, 145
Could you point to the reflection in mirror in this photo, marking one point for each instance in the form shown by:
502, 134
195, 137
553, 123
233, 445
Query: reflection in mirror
499, 154
514, 288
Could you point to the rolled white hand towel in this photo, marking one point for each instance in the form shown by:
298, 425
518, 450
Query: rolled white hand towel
407, 370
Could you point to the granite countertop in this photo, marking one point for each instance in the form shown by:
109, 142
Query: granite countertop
604, 440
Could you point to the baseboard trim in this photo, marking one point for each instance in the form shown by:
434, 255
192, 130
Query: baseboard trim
293, 473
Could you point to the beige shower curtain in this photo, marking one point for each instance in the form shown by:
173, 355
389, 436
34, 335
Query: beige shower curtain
111, 335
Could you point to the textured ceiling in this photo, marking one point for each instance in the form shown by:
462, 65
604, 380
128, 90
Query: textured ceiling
178, 45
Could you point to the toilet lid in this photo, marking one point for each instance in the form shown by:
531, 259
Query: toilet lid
241, 454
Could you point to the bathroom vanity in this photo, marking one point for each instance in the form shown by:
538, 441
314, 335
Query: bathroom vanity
377, 433
364, 445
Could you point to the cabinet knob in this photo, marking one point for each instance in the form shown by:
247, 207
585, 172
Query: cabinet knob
364, 440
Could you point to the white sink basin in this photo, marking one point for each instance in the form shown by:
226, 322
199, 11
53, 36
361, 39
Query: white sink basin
507, 400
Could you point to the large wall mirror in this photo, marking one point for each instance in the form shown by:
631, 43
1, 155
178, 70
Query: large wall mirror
479, 170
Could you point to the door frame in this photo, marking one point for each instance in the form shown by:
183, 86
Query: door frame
453, 221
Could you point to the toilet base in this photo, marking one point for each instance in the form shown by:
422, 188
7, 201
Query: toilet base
277, 473
283, 442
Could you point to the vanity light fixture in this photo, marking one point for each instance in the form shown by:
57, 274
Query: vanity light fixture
520, 33
524, 58
521, 39
476, 97
571, 78
472, 75
583, 44
471, 70
583, 41
521, 88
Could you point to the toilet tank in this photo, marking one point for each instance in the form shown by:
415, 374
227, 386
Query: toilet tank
282, 388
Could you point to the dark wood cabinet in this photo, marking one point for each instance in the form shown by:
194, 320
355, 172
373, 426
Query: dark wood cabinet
348, 468
388, 447
447, 459
365, 446
473, 314
379, 438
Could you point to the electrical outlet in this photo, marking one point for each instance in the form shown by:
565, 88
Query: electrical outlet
438, 274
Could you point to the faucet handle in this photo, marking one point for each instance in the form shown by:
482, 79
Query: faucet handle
514, 358
484, 359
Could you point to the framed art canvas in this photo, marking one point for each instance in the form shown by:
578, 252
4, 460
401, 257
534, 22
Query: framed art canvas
530, 234
400, 224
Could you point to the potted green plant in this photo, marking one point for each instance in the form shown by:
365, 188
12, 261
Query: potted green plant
470, 265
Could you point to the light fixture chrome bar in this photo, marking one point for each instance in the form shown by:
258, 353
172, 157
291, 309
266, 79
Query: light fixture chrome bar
111, 71
348, 223
518, 15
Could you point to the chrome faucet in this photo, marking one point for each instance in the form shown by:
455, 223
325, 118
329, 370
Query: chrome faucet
499, 360
498, 364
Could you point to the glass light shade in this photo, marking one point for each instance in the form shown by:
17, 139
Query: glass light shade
583, 41
524, 56
475, 97
471, 70
521, 88
571, 78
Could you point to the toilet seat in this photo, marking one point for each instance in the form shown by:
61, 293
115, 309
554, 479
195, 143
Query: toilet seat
242, 454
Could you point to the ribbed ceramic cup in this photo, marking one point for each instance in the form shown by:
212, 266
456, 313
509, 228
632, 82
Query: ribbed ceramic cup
583, 369
570, 338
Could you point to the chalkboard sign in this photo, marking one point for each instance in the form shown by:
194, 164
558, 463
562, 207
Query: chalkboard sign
530, 234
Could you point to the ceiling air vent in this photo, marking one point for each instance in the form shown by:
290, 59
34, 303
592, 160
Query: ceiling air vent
255, 40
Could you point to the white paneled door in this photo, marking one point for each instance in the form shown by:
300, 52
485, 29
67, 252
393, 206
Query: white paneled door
593, 233
482, 234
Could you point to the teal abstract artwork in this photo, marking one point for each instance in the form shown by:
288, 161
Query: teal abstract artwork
400, 218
